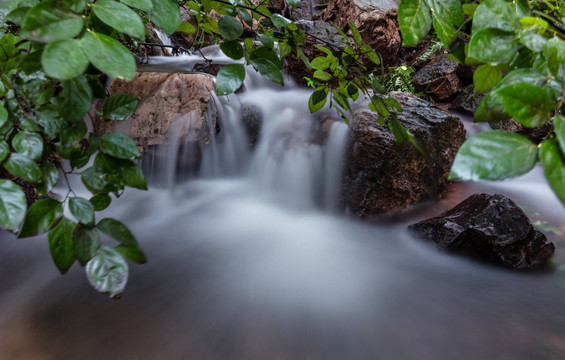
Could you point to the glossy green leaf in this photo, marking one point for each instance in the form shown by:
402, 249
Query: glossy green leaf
74, 102
266, 40
144, 5
496, 14
486, 76
77, 6
232, 49
61, 244
29, 144
119, 107
245, 16
279, 21
494, 155
49, 178
3, 115
532, 40
22, 166
293, 3
415, 20
559, 127
165, 14
64, 59
108, 55
82, 210
99, 180
493, 46
120, 145
230, 28
41, 216
134, 254
268, 70
447, 18
117, 231
527, 103
86, 242
551, 158
121, 172
100, 201
119, 17
12, 205
318, 99
107, 271
30, 125
229, 78
47, 22
4, 150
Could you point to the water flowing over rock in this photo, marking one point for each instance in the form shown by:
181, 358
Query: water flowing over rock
382, 177
489, 225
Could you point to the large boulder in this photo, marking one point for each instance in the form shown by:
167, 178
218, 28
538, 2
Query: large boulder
438, 80
489, 225
382, 177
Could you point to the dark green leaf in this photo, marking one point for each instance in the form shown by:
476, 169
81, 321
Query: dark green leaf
22, 166
12, 205
4, 150
318, 99
554, 167
119, 107
165, 15
233, 49
29, 144
134, 254
245, 16
119, 17
415, 21
527, 103
41, 216
120, 145
117, 231
98, 180
61, 244
230, 28
86, 241
47, 22
559, 127
144, 5
77, 6
3, 115
82, 210
121, 172
496, 14
29, 125
229, 78
100, 201
64, 59
486, 76
107, 271
75, 100
494, 155
50, 176
266, 40
493, 46
268, 70
279, 21
48, 117
108, 55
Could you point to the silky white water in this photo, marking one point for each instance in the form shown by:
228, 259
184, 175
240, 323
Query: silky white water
250, 259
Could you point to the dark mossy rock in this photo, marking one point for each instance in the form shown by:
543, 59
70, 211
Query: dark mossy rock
491, 226
439, 80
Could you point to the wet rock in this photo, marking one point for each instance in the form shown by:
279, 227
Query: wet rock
467, 100
252, 119
536, 135
171, 106
382, 177
438, 80
490, 225
377, 23
302, 11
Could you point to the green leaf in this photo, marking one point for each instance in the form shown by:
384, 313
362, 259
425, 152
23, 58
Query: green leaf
554, 53
554, 167
322, 75
229, 79
486, 76
3, 115
64, 59
97, 180
527, 103
40, 217
108, 55
266, 40
448, 17
493, 46
230, 28
119, 107
279, 21
321, 63
415, 20
22, 166
47, 22
318, 99
494, 155
117, 230
12, 205
293, 3
77, 6
29, 144
268, 70
86, 241
144, 5
165, 15
121, 172
107, 271
74, 101
82, 210
50, 176
187, 28
559, 127
371, 54
61, 244
4, 150
232, 49
120, 145
355, 32
245, 16
134, 254
119, 17
495, 14
100, 201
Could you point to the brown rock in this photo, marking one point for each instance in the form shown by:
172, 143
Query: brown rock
439, 80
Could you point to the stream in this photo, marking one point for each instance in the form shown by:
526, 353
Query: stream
250, 259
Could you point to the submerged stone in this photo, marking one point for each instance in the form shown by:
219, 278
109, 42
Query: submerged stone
492, 226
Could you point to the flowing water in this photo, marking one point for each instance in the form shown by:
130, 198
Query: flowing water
249, 259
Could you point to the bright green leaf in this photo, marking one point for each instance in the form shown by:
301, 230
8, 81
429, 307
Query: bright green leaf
554, 167
119, 17
486, 76
318, 99
279, 21
64, 59
322, 75
119, 107
293, 3
527, 103
493, 46
41, 216
61, 244
415, 20
187, 28
120, 145
355, 32
108, 55
107, 271
12, 205
229, 79
165, 15
82, 210
496, 14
